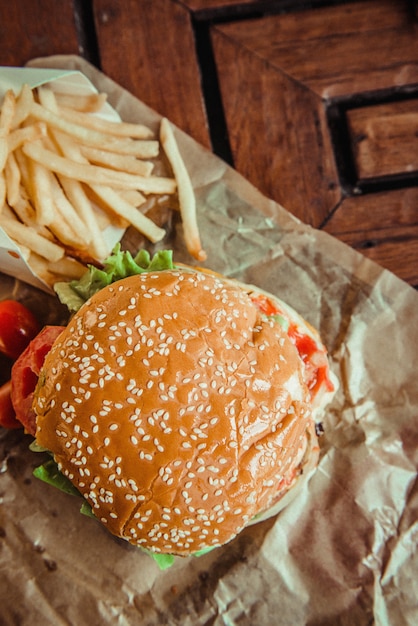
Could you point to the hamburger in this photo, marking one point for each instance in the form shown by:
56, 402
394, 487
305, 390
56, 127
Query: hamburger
181, 405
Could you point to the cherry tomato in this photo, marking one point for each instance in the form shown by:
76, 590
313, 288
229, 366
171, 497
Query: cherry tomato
7, 412
18, 326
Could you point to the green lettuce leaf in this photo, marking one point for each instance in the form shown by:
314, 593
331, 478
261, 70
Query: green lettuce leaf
49, 473
35, 447
204, 551
86, 509
164, 561
281, 320
118, 265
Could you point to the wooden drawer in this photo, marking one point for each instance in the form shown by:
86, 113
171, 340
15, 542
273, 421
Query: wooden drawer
321, 114
384, 138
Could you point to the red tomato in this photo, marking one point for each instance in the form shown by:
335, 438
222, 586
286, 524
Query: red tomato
7, 412
265, 305
25, 373
18, 326
316, 364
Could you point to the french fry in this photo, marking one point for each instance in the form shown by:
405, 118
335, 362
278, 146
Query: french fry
128, 212
23, 164
116, 203
48, 99
26, 236
25, 211
65, 233
23, 106
40, 185
24, 251
4, 151
119, 129
185, 192
68, 267
76, 193
3, 191
27, 215
139, 148
8, 212
122, 162
87, 103
78, 198
104, 217
40, 266
67, 213
92, 174
142, 148
7, 112
12, 176
133, 196
6, 117
49, 272
19, 136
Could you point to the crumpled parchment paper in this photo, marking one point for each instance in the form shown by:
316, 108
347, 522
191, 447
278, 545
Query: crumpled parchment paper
345, 551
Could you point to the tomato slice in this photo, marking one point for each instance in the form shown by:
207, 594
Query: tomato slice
25, 373
315, 359
18, 326
7, 412
264, 304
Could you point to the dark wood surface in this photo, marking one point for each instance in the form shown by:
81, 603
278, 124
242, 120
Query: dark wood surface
317, 107
384, 139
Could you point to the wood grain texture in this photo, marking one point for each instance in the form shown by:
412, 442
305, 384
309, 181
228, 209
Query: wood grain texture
35, 29
385, 138
339, 50
279, 73
212, 9
208, 9
384, 227
387, 255
147, 46
202, 5
277, 131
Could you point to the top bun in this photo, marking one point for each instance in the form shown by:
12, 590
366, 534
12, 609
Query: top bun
176, 408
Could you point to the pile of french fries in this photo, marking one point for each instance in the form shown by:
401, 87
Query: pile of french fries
66, 174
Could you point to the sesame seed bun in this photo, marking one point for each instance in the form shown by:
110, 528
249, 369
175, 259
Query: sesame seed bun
177, 409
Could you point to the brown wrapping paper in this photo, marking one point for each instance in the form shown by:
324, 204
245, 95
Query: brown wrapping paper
345, 550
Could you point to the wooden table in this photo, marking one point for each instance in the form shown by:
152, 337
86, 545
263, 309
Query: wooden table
317, 107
